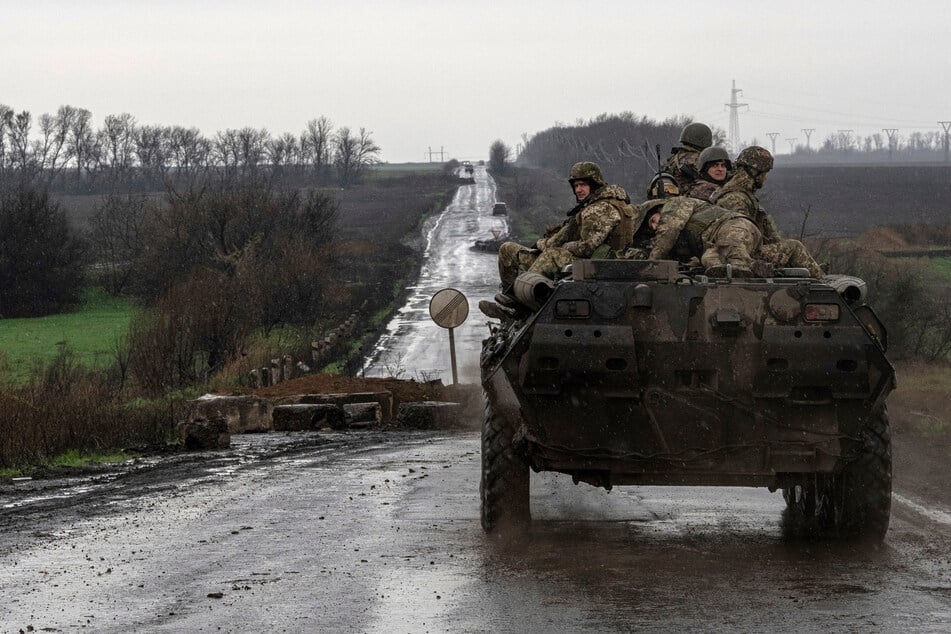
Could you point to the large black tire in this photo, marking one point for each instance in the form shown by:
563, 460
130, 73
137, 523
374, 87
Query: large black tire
855, 501
504, 487
865, 485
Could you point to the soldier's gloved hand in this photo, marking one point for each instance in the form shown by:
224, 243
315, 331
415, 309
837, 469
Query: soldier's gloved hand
575, 248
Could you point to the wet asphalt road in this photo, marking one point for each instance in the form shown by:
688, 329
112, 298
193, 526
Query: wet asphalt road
379, 532
413, 342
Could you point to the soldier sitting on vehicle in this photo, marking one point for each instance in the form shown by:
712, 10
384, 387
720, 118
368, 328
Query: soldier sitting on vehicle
599, 226
647, 216
715, 166
682, 163
694, 231
752, 165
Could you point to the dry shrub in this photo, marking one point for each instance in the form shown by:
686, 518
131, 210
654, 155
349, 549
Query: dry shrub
883, 238
67, 407
926, 235
193, 329
916, 312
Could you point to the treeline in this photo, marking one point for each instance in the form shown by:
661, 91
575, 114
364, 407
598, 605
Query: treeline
212, 264
68, 153
624, 146
845, 146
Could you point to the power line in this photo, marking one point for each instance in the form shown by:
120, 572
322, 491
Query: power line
808, 132
735, 117
946, 125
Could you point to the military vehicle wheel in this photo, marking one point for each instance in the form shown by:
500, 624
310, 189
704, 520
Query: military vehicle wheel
855, 502
865, 485
505, 477
801, 499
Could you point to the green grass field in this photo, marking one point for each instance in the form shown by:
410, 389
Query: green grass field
92, 332
943, 266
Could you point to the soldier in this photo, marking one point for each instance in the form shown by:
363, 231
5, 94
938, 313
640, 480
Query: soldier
695, 231
599, 226
647, 216
752, 165
715, 165
682, 162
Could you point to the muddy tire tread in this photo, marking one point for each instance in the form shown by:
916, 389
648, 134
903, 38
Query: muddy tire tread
504, 486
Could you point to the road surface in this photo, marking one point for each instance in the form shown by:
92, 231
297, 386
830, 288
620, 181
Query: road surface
412, 342
379, 532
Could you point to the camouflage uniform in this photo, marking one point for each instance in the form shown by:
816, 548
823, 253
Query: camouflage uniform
706, 186
683, 161
693, 228
792, 253
643, 239
703, 189
514, 257
738, 195
600, 226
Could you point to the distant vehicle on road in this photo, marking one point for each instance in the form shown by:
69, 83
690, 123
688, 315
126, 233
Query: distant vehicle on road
491, 245
499, 209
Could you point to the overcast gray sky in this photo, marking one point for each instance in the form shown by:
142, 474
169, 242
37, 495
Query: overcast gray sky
458, 75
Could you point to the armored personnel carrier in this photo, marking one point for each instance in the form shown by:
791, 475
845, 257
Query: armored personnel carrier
633, 372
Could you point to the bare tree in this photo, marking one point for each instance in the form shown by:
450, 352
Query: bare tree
353, 153
292, 150
499, 154
252, 149
226, 150
368, 152
80, 139
152, 149
117, 138
49, 148
316, 144
18, 134
118, 236
6, 121
190, 153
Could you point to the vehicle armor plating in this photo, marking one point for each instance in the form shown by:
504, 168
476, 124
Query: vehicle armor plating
634, 372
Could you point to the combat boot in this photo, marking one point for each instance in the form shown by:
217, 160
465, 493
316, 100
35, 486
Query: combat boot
495, 311
505, 298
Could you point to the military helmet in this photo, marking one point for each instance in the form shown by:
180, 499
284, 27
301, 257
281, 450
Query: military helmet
756, 158
587, 171
696, 135
663, 185
711, 154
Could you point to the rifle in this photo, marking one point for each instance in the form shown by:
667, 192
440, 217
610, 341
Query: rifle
656, 181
